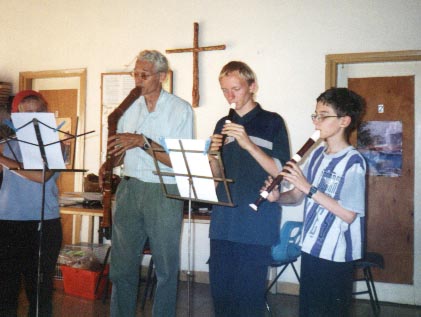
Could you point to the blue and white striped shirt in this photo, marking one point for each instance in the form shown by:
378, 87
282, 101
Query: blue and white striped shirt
342, 177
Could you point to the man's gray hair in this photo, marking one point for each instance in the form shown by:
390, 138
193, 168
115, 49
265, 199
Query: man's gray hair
159, 61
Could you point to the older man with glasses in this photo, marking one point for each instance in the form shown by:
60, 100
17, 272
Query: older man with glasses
142, 209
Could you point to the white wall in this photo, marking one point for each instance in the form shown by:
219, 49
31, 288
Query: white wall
285, 42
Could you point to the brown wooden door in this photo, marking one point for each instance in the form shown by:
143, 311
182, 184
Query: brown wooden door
390, 200
63, 103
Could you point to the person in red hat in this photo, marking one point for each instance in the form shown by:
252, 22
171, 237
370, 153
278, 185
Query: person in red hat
20, 213
22, 95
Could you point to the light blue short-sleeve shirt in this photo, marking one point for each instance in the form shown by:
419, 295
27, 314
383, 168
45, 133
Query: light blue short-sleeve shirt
172, 118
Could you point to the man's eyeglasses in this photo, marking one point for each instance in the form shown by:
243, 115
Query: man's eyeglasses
320, 118
143, 76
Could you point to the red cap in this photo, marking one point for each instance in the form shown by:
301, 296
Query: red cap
22, 94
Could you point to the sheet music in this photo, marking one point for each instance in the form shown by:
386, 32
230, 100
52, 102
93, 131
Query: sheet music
31, 154
198, 164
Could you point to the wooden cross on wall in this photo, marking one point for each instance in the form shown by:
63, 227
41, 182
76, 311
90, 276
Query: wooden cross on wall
195, 50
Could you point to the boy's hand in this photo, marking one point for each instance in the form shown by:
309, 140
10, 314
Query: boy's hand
274, 194
293, 174
216, 142
239, 133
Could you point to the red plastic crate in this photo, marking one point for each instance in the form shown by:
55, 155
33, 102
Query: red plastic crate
82, 283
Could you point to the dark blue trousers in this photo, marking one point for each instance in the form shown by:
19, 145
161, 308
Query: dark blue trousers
325, 287
238, 274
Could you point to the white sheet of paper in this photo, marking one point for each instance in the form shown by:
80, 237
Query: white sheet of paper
31, 154
116, 87
198, 164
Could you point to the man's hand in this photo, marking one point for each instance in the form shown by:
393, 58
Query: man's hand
120, 143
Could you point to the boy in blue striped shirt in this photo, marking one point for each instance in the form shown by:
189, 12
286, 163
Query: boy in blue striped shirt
333, 182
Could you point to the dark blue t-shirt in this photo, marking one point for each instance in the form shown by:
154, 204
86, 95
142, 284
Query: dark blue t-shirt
241, 223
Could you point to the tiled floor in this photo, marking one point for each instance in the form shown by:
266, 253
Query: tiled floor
200, 305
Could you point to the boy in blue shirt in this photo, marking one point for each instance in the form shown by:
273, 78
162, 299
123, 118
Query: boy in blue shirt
256, 144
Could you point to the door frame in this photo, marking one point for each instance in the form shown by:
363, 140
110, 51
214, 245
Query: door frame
334, 60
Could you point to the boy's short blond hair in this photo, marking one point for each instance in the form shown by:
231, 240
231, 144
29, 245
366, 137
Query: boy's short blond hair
243, 69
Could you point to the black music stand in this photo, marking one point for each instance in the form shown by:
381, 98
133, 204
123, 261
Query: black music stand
189, 159
33, 133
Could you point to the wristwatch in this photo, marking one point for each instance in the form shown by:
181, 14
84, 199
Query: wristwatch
313, 190
146, 143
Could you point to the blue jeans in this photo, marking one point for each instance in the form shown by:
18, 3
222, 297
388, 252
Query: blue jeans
143, 211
